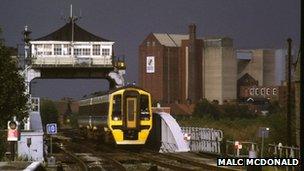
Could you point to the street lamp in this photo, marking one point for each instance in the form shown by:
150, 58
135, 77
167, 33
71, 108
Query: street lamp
263, 133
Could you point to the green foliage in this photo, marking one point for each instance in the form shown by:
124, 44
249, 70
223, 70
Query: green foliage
202, 108
48, 111
12, 97
278, 124
275, 107
234, 111
238, 123
216, 111
73, 120
2, 144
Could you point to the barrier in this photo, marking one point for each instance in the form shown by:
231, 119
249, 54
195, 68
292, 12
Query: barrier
240, 148
204, 139
283, 151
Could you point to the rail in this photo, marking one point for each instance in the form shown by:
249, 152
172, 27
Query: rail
82, 164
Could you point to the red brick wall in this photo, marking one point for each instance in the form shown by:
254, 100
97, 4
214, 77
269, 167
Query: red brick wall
198, 90
171, 74
152, 82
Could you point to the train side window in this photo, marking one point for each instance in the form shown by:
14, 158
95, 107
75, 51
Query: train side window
144, 107
116, 111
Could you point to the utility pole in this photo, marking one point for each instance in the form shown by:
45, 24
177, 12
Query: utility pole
302, 90
289, 133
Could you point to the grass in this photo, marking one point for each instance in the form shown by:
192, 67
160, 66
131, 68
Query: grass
242, 129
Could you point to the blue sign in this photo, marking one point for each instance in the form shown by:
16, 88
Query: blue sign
51, 128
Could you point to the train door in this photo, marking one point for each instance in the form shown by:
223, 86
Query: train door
131, 112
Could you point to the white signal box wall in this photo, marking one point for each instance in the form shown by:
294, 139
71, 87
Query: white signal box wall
34, 151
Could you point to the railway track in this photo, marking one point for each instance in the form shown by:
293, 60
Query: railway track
121, 159
89, 159
82, 165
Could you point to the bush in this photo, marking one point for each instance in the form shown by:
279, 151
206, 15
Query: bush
202, 108
49, 113
231, 111
73, 120
3, 145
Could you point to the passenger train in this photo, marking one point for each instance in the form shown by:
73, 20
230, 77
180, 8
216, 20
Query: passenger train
122, 116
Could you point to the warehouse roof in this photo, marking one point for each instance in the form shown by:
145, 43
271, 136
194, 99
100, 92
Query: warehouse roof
65, 34
171, 40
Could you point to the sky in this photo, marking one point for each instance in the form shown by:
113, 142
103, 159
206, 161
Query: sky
251, 24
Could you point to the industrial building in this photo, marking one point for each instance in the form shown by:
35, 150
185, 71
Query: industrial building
219, 69
181, 68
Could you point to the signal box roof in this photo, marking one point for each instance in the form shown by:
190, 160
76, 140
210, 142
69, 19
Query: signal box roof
65, 34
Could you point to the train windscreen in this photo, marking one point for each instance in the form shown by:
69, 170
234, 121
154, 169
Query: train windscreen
144, 107
116, 113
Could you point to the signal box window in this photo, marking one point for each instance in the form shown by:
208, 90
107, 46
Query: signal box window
57, 49
105, 52
116, 111
96, 49
144, 107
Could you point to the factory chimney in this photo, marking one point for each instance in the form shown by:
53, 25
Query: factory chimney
193, 83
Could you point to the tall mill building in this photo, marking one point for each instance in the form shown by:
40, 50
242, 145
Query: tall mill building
183, 68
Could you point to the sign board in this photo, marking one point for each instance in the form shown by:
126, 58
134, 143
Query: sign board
150, 64
51, 128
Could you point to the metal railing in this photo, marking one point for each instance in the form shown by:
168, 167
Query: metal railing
204, 139
233, 151
70, 61
278, 150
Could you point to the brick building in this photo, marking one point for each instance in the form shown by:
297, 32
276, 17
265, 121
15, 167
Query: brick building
183, 68
170, 66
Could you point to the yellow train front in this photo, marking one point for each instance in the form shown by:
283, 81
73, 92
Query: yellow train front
122, 115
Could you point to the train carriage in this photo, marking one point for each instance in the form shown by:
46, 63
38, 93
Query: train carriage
122, 115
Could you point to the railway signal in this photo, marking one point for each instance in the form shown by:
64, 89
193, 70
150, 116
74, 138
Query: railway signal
13, 133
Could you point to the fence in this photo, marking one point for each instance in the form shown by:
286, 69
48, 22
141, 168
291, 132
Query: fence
283, 151
204, 139
241, 149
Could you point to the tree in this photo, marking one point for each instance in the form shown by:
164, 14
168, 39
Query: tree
49, 113
13, 100
202, 108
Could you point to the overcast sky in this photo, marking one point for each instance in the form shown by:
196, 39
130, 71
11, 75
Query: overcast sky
251, 24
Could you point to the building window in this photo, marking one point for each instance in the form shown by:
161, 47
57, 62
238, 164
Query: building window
57, 50
47, 49
148, 43
77, 51
96, 49
66, 50
153, 43
105, 52
39, 49
86, 51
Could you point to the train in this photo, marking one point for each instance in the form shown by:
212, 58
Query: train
121, 116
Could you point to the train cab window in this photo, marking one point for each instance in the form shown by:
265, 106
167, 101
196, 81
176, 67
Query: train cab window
116, 111
144, 107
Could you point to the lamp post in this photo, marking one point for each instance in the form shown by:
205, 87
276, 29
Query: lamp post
263, 133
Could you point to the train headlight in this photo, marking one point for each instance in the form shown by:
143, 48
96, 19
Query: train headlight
116, 118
